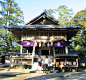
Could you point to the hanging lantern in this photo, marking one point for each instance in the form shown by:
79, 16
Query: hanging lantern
39, 44
43, 44
48, 44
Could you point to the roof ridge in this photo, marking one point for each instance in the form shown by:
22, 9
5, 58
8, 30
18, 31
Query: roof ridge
45, 11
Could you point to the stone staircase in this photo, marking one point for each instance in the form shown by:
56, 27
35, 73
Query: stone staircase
51, 65
51, 68
34, 69
35, 66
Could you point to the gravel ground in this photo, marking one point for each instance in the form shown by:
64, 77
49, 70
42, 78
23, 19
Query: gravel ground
9, 75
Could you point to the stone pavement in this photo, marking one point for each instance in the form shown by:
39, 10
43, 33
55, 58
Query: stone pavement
9, 75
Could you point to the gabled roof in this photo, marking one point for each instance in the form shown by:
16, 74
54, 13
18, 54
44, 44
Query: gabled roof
45, 27
18, 30
43, 14
35, 25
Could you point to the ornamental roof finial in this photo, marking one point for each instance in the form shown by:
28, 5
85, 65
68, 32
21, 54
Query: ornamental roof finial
45, 10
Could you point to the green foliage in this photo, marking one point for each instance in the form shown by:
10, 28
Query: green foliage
12, 15
64, 14
51, 12
80, 39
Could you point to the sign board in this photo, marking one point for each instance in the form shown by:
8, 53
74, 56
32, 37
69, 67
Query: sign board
27, 43
57, 64
60, 43
70, 63
74, 63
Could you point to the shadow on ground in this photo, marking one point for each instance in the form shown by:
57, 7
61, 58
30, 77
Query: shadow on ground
60, 76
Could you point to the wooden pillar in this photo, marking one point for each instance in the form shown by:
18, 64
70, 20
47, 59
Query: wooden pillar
21, 47
33, 52
49, 52
54, 54
66, 47
27, 51
54, 51
40, 52
65, 63
77, 61
77, 64
51, 43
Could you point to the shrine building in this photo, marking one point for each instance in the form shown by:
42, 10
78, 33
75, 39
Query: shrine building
44, 36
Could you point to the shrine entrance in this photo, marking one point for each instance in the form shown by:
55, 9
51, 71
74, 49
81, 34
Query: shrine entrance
45, 52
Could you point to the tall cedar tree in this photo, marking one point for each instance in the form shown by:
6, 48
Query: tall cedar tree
12, 15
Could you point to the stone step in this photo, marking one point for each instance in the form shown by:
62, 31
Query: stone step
50, 71
9, 75
32, 71
36, 71
51, 68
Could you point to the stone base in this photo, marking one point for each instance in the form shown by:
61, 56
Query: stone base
63, 70
74, 70
52, 71
32, 71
